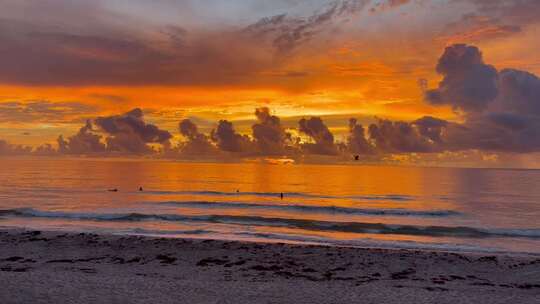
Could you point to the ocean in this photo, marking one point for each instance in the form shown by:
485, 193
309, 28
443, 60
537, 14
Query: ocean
473, 210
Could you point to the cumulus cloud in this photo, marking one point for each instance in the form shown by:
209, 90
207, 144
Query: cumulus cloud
398, 137
519, 92
431, 128
320, 134
130, 133
268, 133
501, 113
197, 143
227, 139
357, 142
468, 84
84, 142
502, 109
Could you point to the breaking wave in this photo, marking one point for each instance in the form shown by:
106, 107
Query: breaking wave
313, 225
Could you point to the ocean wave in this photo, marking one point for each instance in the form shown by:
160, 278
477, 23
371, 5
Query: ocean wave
390, 197
312, 208
313, 225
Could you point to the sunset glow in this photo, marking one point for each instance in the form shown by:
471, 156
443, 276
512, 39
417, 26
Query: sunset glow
63, 63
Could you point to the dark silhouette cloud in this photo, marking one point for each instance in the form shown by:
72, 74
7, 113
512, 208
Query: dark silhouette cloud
519, 92
228, 140
268, 134
130, 133
197, 143
502, 109
468, 84
398, 137
431, 127
84, 142
357, 142
321, 135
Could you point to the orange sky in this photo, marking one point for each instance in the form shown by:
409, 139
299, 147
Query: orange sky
334, 59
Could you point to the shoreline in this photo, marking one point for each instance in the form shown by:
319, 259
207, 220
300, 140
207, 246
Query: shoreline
56, 267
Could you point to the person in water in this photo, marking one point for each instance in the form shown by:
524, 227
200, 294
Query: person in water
141, 189
281, 195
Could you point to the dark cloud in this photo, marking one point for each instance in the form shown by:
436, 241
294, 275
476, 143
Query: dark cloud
197, 143
398, 137
321, 135
268, 133
431, 127
228, 140
130, 133
519, 92
357, 142
84, 142
502, 109
468, 83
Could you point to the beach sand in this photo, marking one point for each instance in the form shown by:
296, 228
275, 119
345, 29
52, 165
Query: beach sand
56, 267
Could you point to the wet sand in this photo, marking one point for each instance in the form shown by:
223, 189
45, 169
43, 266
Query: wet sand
56, 267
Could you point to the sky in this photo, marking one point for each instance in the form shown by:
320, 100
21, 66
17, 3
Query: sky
441, 80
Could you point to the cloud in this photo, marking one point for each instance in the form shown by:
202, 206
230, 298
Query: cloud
130, 133
474, 27
519, 92
501, 113
84, 142
228, 140
321, 135
468, 84
43, 111
10, 149
385, 5
502, 109
431, 128
197, 143
288, 33
398, 137
357, 142
522, 12
110, 48
45, 150
268, 134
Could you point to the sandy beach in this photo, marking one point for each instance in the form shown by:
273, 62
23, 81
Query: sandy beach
57, 267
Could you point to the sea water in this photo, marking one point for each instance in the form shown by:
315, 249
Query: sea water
480, 210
